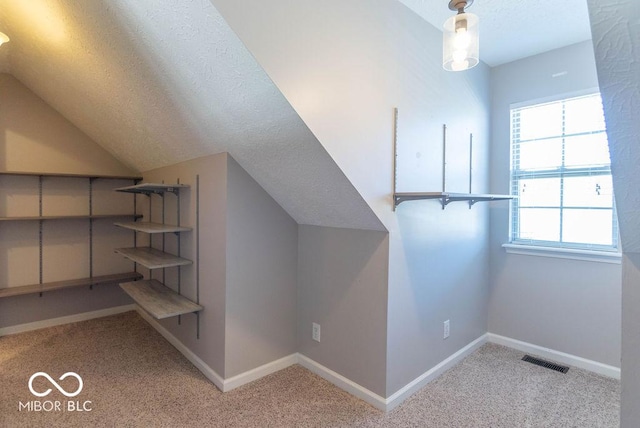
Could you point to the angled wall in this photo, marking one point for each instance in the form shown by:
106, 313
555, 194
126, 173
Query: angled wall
246, 265
210, 262
344, 66
342, 285
615, 25
261, 277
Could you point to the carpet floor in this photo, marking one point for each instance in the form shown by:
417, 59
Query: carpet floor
134, 378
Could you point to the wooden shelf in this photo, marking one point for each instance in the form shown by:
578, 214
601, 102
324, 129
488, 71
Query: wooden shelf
141, 226
152, 258
159, 300
96, 280
53, 174
68, 217
448, 197
151, 188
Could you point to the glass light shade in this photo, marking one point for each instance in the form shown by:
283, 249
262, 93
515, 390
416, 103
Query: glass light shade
461, 43
3, 38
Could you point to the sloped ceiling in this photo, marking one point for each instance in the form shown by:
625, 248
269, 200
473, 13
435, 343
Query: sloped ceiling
616, 41
156, 82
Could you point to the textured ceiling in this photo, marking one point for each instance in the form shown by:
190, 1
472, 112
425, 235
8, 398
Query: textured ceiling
515, 29
616, 38
156, 82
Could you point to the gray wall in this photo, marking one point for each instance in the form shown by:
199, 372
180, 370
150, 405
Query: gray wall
212, 171
35, 137
248, 261
615, 25
262, 247
630, 340
567, 305
342, 285
441, 273
344, 66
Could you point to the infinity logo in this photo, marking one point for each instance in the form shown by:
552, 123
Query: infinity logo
54, 383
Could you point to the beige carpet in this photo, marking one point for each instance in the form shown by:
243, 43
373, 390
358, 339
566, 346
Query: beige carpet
133, 377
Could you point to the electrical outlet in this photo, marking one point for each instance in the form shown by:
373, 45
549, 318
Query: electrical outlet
315, 332
446, 329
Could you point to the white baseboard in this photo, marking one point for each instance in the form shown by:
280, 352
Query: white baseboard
557, 356
259, 372
207, 371
418, 383
343, 383
37, 325
388, 404
223, 385
379, 402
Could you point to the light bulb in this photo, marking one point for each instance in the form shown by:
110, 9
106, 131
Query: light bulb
462, 39
459, 56
459, 65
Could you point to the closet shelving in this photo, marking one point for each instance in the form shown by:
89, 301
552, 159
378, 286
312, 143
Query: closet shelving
90, 281
444, 197
66, 175
146, 227
152, 258
66, 217
83, 282
159, 300
152, 295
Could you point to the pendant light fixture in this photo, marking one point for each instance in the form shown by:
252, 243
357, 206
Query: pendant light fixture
461, 44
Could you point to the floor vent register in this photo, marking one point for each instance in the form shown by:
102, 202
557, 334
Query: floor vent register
546, 364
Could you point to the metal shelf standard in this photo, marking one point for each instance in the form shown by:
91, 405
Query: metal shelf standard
444, 196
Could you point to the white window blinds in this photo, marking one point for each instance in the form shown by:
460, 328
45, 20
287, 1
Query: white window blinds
561, 175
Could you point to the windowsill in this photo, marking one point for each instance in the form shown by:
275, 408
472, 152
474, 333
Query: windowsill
565, 253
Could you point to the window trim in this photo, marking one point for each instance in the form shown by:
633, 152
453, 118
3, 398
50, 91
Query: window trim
613, 257
554, 98
576, 251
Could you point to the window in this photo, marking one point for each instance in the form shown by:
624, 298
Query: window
561, 175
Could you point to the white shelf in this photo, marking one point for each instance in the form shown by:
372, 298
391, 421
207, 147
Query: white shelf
152, 258
151, 188
448, 197
159, 300
146, 227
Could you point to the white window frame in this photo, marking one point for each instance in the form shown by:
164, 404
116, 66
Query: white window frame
607, 254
